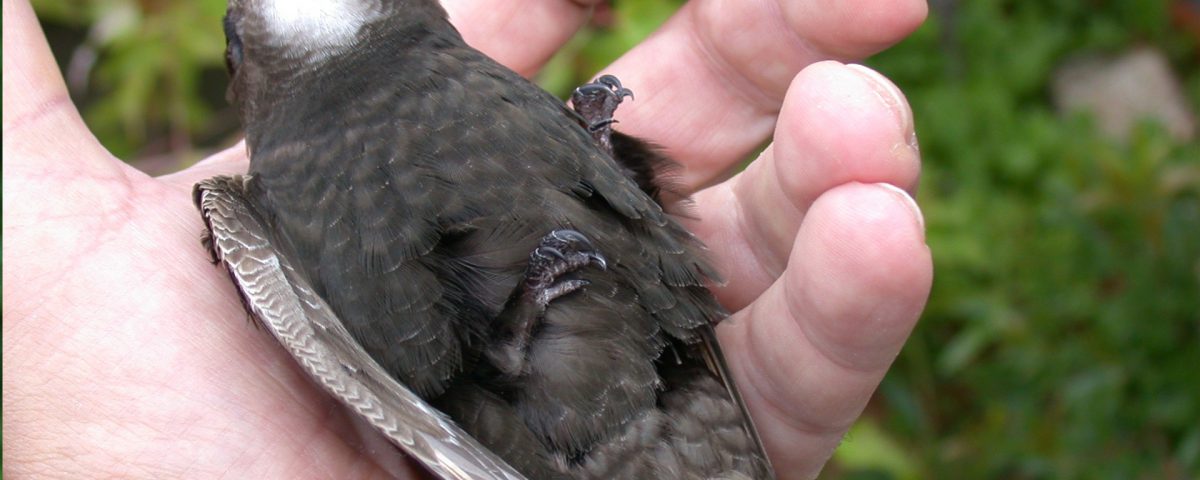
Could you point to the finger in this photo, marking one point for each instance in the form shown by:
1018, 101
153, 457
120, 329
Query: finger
521, 35
809, 352
711, 81
838, 124
32, 85
61, 188
44, 135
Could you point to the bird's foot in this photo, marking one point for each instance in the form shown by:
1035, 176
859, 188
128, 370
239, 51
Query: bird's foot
558, 254
596, 102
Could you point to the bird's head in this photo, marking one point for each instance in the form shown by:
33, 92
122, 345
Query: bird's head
270, 43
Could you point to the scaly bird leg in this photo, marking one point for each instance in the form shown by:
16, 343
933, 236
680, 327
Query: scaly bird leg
558, 254
596, 102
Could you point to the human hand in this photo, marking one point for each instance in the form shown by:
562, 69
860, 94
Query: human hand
126, 353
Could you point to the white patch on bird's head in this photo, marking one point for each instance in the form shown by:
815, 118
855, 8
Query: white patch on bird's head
316, 27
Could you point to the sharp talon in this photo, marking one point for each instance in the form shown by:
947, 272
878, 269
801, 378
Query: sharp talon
559, 252
601, 124
611, 81
550, 252
598, 260
547, 278
567, 234
595, 103
594, 88
614, 85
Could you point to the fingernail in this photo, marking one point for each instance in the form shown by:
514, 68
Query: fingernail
912, 205
893, 99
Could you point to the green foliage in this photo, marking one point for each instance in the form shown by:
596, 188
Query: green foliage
1062, 337
145, 85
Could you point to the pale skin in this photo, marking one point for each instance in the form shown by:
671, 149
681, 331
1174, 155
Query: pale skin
127, 354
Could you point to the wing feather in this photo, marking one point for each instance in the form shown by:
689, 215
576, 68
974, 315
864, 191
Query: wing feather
286, 305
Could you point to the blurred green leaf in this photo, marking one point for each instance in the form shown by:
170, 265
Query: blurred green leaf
142, 88
867, 448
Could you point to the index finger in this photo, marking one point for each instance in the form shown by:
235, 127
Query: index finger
711, 81
521, 35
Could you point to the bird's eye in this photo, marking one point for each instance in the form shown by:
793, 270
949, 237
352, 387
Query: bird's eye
233, 46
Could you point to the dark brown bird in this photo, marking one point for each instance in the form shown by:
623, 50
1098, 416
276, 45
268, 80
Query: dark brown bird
504, 257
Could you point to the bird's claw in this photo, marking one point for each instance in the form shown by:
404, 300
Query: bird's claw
596, 102
607, 85
559, 253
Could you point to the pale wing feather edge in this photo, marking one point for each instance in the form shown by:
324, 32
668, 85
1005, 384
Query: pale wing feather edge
286, 305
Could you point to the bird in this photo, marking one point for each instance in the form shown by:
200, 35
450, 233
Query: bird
464, 259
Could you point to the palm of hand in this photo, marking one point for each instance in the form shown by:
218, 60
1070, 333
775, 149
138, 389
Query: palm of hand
124, 350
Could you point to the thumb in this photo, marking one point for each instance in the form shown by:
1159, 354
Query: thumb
44, 136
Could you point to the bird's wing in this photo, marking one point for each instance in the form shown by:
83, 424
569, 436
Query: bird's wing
286, 305
714, 359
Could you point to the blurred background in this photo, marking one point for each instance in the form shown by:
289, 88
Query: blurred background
1061, 192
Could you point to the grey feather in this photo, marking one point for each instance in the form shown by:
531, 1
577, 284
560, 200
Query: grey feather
400, 184
306, 327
